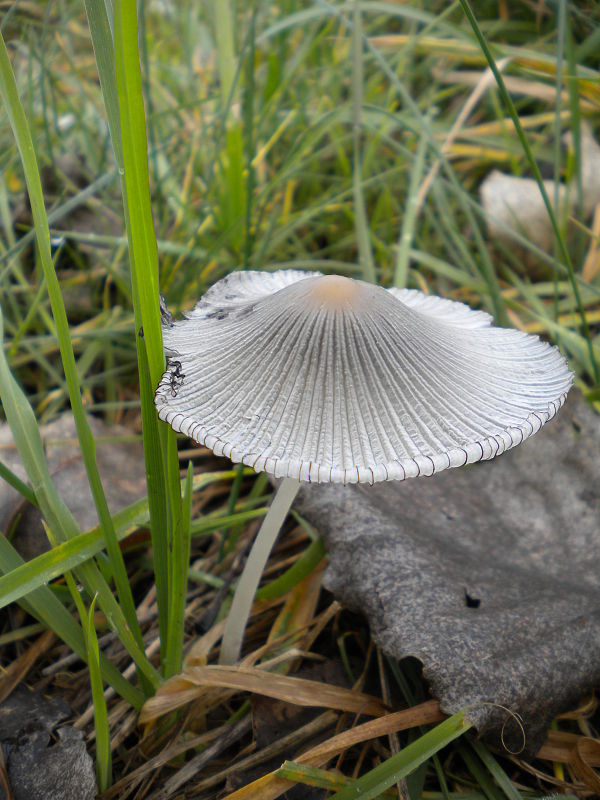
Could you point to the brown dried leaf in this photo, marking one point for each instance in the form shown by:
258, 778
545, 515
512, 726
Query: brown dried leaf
423, 714
18, 669
298, 610
560, 746
297, 691
586, 754
271, 786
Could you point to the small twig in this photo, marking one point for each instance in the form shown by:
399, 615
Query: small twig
193, 767
286, 743
393, 737
19, 668
484, 82
129, 781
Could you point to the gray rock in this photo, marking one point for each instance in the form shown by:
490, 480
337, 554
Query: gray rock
43, 762
25, 712
42, 769
485, 574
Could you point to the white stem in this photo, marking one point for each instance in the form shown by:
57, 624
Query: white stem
241, 605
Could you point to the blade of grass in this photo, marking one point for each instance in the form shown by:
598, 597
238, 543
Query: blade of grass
157, 495
249, 138
102, 41
496, 771
299, 570
20, 127
103, 755
179, 579
225, 50
101, 726
563, 212
233, 200
360, 213
13, 480
45, 607
574, 107
510, 106
233, 498
142, 238
483, 780
406, 761
162, 465
259, 486
410, 213
59, 519
312, 776
42, 569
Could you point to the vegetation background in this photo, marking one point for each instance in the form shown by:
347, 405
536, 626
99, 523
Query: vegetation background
167, 148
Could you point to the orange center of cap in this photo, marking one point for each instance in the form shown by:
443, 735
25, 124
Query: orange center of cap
335, 292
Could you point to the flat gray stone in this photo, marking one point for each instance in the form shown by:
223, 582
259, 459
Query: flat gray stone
44, 761
24, 712
487, 574
44, 769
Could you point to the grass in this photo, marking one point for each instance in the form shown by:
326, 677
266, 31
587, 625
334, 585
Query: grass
348, 137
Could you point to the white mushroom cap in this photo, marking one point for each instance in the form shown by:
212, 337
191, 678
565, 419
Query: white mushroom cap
324, 378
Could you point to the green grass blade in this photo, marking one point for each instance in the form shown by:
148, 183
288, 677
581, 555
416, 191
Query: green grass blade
102, 40
403, 763
498, 774
44, 606
20, 127
103, 756
178, 588
312, 776
13, 480
25, 578
360, 213
101, 726
157, 499
59, 519
226, 59
484, 782
142, 239
162, 466
574, 107
410, 216
510, 106
299, 570
67, 556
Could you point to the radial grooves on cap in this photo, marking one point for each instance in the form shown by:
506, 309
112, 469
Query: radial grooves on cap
397, 385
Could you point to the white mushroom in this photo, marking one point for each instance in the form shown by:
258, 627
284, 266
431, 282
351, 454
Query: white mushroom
327, 379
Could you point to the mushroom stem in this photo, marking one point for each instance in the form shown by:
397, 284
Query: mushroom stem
241, 605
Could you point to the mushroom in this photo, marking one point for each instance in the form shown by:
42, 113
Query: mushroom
327, 379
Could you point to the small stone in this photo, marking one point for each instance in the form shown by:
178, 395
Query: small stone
43, 762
